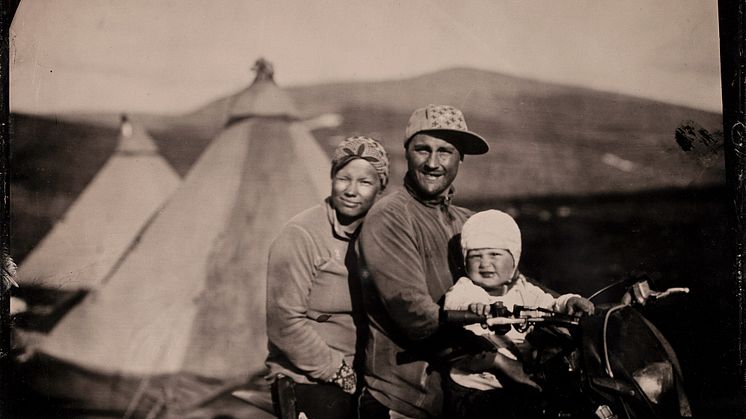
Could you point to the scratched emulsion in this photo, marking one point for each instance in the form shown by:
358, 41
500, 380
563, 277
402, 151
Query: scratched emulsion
732, 31
695, 139
738, 137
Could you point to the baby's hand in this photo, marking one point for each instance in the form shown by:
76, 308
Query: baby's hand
479, 308
579, 306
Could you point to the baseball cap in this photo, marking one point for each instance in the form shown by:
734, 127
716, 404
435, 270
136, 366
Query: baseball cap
448, 121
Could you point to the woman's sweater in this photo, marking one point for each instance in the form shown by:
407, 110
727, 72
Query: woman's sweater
310, 273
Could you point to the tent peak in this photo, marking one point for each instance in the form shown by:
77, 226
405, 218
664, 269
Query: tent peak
134, 139
264, 69
125, 126
263, 98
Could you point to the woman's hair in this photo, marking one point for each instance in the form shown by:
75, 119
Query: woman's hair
362, 147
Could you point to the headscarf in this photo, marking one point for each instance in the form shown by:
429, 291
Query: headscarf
492, 229
362, 147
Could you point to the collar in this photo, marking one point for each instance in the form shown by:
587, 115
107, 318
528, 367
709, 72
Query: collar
346, 232
438, 201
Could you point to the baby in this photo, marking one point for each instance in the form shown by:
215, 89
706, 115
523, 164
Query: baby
491, 244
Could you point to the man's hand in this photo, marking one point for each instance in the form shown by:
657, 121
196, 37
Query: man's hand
480, 309
578, 306
513, 369
477, 363
501, 365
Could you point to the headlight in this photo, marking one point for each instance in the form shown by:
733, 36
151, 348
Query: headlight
655, 379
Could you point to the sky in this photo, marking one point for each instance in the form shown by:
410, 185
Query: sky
172, 56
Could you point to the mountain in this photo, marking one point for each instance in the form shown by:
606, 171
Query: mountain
545, 140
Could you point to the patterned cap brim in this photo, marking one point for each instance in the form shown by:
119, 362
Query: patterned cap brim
466, 141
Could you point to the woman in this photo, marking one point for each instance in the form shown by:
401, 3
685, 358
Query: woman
312, 311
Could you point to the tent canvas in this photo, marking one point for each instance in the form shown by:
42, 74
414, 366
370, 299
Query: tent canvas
189, 299
85, 245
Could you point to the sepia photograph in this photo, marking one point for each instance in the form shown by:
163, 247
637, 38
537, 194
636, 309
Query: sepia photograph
374, 209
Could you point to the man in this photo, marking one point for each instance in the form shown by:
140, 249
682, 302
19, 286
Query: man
407, 267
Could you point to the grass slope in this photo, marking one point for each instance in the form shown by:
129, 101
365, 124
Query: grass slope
545, 139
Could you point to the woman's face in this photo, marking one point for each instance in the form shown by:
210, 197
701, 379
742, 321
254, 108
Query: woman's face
490, 268
355, 188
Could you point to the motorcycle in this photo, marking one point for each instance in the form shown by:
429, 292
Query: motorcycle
614, 364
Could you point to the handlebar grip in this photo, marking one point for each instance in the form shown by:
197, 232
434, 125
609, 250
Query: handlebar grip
461, 317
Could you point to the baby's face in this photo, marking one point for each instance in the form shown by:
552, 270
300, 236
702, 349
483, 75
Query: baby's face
489, 268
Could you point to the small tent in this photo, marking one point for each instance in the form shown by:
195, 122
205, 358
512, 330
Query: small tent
184, 312
84, 247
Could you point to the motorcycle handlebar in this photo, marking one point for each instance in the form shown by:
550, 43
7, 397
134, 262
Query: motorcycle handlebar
640, 293
670, 291
463, 318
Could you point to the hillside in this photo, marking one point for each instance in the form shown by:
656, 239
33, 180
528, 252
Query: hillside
545, 139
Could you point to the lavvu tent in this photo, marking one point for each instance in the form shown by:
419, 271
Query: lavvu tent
84, 247
184, 312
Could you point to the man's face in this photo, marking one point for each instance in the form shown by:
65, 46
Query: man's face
490, 268
433, 164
